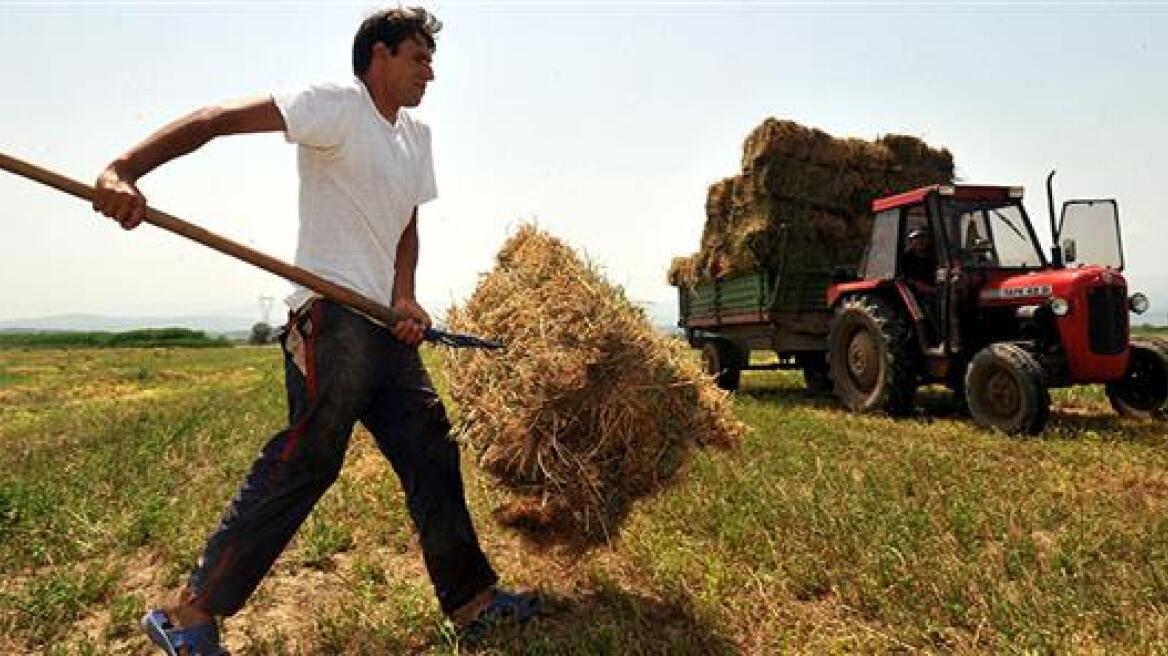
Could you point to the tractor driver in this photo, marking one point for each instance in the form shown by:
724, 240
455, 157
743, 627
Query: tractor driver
919, 262
919, 267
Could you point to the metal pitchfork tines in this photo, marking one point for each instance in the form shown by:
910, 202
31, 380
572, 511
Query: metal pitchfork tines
326, 288
457, 340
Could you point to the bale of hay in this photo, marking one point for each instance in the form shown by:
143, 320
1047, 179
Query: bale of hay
683, 271
804, 198
589, 409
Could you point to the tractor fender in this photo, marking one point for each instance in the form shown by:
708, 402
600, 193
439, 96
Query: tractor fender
839, 291
836, 293
895, 292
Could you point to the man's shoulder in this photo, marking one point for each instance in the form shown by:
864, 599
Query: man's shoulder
326, 91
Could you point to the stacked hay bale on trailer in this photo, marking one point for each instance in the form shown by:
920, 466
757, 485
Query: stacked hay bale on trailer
801, 187
799, 212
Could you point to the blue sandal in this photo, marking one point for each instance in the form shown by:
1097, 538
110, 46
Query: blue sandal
198, 640
505, 609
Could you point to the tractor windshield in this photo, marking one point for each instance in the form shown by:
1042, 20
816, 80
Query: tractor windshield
991, 235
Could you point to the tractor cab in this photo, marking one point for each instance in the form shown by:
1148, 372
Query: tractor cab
969, 228
933, 246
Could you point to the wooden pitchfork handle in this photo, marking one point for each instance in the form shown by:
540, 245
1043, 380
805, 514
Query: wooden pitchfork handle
328, 289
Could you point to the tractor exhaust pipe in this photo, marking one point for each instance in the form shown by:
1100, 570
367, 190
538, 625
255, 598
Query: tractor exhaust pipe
1056, 249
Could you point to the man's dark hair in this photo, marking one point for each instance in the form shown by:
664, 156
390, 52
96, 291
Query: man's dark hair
391, 27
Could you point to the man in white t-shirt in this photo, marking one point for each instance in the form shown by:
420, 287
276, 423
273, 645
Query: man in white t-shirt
365, 166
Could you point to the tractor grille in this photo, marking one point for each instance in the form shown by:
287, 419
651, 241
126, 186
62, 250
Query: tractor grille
1107, 319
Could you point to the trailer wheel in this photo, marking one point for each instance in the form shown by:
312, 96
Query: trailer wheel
722, 360
816, 372
1005, 388
871, 357
1143, 390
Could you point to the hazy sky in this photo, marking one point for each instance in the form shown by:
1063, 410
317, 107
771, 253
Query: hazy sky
603, 122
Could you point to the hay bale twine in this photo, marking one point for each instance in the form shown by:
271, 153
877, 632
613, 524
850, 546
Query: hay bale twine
589, 409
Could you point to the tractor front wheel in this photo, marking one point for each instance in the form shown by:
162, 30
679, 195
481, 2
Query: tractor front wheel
1143, 390
1005, 388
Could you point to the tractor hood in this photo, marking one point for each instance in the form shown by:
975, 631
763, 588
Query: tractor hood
1011, 288
1087, 305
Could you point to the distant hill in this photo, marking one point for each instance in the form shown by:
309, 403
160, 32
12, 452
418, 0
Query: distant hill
219, 325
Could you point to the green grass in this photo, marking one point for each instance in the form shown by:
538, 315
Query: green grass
826, 533
1145, 330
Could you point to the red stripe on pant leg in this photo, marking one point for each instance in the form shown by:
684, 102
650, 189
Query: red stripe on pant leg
290, 445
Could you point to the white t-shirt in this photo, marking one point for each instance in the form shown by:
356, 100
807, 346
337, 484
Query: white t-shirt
360, 179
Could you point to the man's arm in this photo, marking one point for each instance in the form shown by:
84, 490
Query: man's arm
405, 267
117, 194
407, 261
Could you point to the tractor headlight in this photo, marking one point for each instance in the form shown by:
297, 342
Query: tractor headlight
1059, 306
1138, 303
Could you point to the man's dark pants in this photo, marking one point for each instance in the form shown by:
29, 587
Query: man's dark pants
351, 370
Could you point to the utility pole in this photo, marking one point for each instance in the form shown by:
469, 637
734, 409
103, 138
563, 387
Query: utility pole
262, 333
266, 308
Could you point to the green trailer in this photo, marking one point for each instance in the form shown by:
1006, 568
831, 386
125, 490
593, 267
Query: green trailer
783, 311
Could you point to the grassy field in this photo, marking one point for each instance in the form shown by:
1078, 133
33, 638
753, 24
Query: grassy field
1145, 330
826, 533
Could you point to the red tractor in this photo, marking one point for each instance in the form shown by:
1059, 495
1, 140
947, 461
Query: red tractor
991, 316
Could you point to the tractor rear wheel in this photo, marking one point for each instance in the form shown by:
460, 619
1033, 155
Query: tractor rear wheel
723, 361
872, 356
1143, 390
1005, 388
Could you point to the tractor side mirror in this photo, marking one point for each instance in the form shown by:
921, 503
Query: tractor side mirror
1068, 250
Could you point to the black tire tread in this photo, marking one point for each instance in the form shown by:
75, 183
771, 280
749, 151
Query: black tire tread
1036, 395
726, 364
1158, 347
